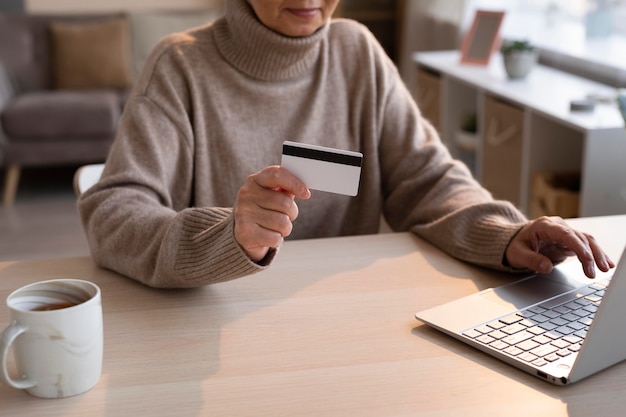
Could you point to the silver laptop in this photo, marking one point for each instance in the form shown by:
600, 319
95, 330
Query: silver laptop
560, 327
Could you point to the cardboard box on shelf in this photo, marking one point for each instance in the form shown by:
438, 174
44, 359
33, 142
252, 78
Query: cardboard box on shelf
555, 194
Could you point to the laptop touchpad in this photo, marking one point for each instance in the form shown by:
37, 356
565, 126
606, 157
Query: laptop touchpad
529, 291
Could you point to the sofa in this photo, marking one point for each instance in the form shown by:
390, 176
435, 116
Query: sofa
64, 80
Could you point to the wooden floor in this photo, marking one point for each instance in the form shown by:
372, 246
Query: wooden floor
44, 221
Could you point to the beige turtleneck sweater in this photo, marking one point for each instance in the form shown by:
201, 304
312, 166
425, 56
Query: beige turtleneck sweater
214, 105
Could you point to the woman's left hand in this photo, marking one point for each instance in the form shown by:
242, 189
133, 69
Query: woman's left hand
547, 241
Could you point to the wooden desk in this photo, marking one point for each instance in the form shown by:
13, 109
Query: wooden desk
329, 330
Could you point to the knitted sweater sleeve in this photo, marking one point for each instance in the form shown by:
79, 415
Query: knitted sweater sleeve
430, 193
140, 220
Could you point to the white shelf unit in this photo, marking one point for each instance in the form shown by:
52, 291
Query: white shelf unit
553, 138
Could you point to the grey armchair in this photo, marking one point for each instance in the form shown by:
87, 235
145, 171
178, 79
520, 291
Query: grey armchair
41, 124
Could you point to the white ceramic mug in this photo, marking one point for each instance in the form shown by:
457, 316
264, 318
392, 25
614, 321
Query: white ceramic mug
56, 336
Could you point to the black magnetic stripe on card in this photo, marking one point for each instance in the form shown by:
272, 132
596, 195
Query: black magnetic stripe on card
321, 155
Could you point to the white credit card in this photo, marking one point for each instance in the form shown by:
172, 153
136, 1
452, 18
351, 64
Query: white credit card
324, 169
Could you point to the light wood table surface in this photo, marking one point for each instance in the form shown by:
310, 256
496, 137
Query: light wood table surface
328, 330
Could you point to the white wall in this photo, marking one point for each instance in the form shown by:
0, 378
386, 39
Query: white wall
81, 6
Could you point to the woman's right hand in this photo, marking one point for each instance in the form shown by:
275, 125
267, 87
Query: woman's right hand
265, 209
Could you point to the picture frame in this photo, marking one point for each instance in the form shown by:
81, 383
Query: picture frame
483, 37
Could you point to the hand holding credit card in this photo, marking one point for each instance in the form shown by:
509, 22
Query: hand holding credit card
324, 169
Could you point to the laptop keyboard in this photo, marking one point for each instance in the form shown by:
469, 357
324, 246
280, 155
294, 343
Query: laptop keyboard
545, 332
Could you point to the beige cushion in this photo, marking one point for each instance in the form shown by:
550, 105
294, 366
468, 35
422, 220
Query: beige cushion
148, 28
91, 55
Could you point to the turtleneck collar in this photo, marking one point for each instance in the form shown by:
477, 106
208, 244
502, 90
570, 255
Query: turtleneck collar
259, 51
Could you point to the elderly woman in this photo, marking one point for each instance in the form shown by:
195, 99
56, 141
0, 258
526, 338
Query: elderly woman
191, 193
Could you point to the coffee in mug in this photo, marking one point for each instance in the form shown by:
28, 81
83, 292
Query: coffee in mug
55, 306
57, 338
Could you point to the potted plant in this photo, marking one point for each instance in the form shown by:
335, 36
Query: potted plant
519, 57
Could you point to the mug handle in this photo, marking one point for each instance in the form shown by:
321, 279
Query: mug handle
8, 337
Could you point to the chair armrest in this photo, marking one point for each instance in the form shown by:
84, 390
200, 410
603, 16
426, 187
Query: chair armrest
8, 88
